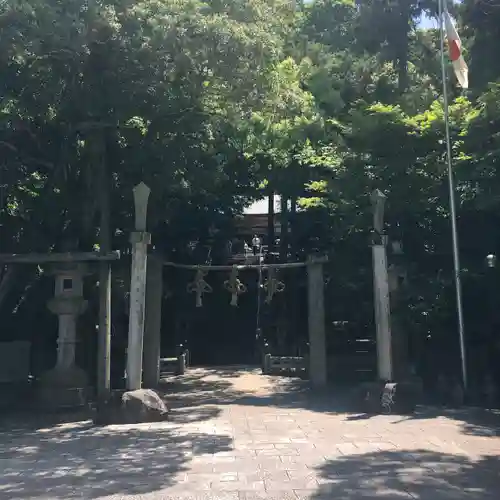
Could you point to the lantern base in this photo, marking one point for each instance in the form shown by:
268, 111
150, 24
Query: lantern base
63, 388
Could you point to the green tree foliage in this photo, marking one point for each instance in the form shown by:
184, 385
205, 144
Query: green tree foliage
213, 102
482, 24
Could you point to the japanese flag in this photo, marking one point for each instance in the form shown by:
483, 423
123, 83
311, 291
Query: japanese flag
455, 51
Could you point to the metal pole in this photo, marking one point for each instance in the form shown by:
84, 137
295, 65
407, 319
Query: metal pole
451, 187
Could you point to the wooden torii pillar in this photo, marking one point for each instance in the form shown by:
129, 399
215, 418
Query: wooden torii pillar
318, 370
152, 329
381, 290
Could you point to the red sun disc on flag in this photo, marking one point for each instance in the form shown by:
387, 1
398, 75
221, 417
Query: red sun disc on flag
454, 49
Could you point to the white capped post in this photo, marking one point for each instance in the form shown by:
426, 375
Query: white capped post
140, 240
381, 289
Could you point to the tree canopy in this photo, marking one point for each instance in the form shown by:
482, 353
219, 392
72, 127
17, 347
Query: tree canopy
212, 102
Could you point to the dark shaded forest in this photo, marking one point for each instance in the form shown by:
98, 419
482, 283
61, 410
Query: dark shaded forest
215, 104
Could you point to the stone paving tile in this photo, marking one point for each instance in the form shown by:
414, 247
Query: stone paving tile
239, 465
275, 476
248, 450
179, 495
268, 495
239, 486
278, 452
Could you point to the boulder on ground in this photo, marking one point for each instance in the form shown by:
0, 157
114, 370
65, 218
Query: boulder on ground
132, 407
143, 405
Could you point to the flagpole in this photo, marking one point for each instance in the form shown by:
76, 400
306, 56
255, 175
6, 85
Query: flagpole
451, 187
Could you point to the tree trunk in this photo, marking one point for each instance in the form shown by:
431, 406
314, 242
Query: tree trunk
292, 277
270, 223
8, 279
403, 45
293, 228
284, 229
104, 340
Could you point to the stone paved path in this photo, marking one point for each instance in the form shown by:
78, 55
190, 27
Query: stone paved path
236, 435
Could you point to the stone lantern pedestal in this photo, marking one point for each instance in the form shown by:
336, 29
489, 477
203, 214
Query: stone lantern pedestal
66, 384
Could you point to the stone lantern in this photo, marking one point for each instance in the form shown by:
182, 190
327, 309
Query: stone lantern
65, 384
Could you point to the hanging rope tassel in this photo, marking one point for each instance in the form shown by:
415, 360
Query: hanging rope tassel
234, 286
272, 285
199, 286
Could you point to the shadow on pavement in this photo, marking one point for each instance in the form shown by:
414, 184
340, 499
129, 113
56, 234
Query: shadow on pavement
209, 388
416, 474
200, 394
51, 460
474, 421
78, 460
